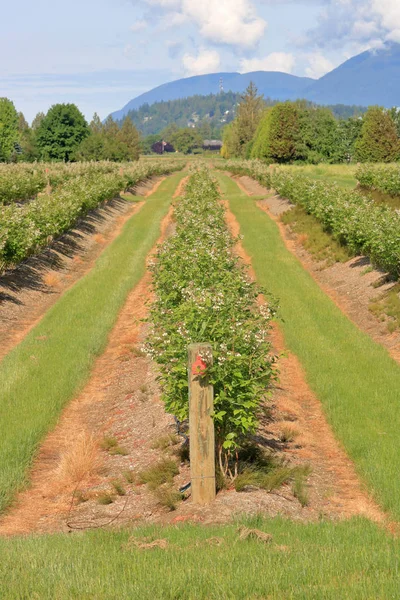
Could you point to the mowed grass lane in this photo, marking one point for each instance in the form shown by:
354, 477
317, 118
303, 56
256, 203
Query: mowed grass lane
53, 362
327, 561
356, 380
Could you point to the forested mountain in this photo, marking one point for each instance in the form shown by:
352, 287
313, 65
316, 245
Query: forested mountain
372, 77
208, 113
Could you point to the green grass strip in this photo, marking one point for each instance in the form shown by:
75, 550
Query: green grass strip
354, 377
53, 362
352, 560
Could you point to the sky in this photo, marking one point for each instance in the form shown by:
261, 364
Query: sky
100, 54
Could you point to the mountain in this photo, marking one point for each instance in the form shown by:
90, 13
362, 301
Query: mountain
372, 77
279, 86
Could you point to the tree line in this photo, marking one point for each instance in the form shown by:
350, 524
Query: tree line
63, 134
301, 131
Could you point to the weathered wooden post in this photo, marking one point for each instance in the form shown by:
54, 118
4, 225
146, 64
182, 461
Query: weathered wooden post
201, 425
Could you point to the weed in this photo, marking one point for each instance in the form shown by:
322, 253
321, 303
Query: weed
313, 237
166, 441
111, 445
300, 490
253, 477
159, 474
138, 352
144, 388
81, 497
129, 476
105, 499
118, 487
388, 305
80, 460
51, 280
367, 270
288, 434
168, 497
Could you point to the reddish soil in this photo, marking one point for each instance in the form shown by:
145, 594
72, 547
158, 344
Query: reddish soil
347, 284
27, 292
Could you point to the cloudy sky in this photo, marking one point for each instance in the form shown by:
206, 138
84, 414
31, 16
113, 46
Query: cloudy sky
102, 53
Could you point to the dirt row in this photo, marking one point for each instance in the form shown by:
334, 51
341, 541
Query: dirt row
27, 292
352, 285
113, 430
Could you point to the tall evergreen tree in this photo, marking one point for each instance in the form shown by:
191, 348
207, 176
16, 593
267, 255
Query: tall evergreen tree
284, 132
248, 117
96, 126
8, 129
129, 135
378, 140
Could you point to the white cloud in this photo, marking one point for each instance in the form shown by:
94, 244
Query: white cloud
276, 61
207, 61
139, 26
356, 22
389, 13
318, 66
232, 22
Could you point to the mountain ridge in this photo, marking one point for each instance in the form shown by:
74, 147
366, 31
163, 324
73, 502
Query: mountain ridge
372, 77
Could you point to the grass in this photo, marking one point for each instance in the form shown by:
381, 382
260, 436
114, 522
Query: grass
354, 377
159, 474
313, 237
38, 377
388, 305
321, 561
342, 175
111, 445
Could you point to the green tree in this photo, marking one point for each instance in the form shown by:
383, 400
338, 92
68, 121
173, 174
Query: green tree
110, 127
129, 135
249, 114
261, 148
284, 136
318, 134
37, 121
60, 132
231, 143
348, 132
186, 140
378, 140
96, 126
8, 129
26, 141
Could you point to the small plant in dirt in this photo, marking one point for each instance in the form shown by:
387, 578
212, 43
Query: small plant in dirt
105, 499
118, 487
111, 444
166, 441
129, 476
159, 474
252, 477
168, 497
288, 434
300, 490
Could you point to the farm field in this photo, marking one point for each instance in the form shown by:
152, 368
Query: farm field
201, 290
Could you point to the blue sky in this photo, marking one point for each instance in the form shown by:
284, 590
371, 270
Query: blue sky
101, 54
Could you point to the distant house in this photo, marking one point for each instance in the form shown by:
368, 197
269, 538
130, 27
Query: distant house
161, 147
214, 145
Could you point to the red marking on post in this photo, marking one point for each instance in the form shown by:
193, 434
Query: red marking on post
199, 367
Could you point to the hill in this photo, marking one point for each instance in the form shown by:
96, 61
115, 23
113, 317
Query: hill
372, 77
207, 113
279, 86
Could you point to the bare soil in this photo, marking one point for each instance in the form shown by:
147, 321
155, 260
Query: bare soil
27, 292
352, 285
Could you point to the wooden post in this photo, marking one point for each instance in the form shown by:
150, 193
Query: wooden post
201, 426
